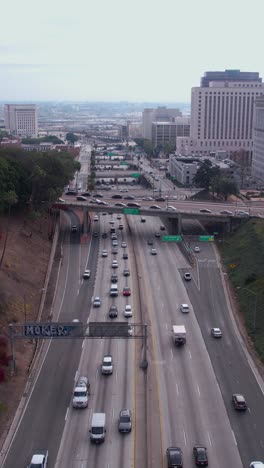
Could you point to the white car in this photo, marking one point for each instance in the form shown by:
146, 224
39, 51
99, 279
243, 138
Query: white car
114, 264
185, 308
256, 464
96, 218
124, 244
196, 249
216, 332
187, 276
128, 311
153, 251
97, 301
104, 253
172, 208
107, 365
114, 243
86, 274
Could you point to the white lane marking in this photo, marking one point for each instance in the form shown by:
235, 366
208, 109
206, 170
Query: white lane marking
184, 436
177, 389
75, 378
190, 355
198, 390
209, 438
234, 437
249, 409
87, 320
66, 415
78, 291
171, 354
83, 343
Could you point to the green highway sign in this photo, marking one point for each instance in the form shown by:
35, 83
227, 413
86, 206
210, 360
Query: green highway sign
136, 175
206, 238
171, 238
111, 154
134, 211
123, 163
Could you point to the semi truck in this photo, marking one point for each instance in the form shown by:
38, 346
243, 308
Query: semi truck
179, 334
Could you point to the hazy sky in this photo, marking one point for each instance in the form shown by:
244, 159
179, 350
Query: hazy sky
136, 50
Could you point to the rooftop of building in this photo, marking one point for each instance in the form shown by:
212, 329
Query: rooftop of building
229, 75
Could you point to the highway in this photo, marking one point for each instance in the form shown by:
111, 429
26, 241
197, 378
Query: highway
184, 397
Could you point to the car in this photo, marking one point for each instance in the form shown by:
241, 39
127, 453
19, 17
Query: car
86, 274
160, 199
241, 213
114, 243
125, 256
107, 365
155, 207
117, 196
162, 228
205, 210
122, 205
126, 272
74, 228
119, 216
216, 332
126, 291
239, 402
81, 198
97, 301
172, 208
120, 226
114, 278
153, 252
104, 253
104, 235
129, 330
125, 421
111, 221
196, 249
200, 455
93, 200
174, 457
113, 236
123, 190
147, 198
256, 464
184, 308
128, 311
187, 276
226, 212
129, 197
124, 245
86, 194
156, 190
113, 313
98, 195
143, 220
115, 250
114, 264
95, 234
71, 192
76, 320
101, 202
157, 234
134, 205
96, 218
150, 242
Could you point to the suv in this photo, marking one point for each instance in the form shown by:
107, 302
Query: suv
113, 311
174, 457
107, 365
125, 421
239, 402
184, 308
200, 456
187, 276
216, 332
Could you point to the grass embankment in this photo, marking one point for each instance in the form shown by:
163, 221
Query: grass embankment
243, 255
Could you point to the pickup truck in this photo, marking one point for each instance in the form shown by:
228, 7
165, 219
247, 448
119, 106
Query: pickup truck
39, 459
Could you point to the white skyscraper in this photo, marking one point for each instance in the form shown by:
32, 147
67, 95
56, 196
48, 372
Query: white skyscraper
21, 119
160, 114
258, 141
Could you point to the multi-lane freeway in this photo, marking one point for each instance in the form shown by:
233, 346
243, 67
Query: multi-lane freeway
183, 399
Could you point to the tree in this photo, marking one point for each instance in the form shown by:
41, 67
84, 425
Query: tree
227, 187
71, 137
10, 199
91, 183
205, 173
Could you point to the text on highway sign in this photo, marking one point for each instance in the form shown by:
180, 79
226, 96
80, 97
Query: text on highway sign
134, 211
171, 238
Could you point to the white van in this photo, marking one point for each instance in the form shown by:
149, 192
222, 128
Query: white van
114, 290
97, 431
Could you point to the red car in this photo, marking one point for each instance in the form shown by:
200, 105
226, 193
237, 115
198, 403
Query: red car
126, 291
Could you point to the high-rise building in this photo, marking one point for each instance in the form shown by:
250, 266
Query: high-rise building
161, 114
168, 132
258, 141
21, 119
222, 112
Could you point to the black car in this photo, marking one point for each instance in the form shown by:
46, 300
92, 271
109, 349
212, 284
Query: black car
125, 256
86, 194
71, 192
114, 278
126, 272
104, 235
160, 199
129, 197
174, 457
134, 205
95, 234
200, 456
98, 195
117, 196
150, 242
113, 313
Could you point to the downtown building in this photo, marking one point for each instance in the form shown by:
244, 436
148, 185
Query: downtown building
222, 110
21, 120
160, 114
258, 142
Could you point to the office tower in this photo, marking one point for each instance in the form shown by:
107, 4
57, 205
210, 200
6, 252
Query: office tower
21, 119
258, 141
222, 112
161, 114
167, 132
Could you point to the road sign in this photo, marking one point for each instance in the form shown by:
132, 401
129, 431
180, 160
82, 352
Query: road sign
171, 238
52, 330
106, 329
123, 163
111, 154
206, 238
136, 175
133, 211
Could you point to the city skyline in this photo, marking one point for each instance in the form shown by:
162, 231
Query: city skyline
119, 51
